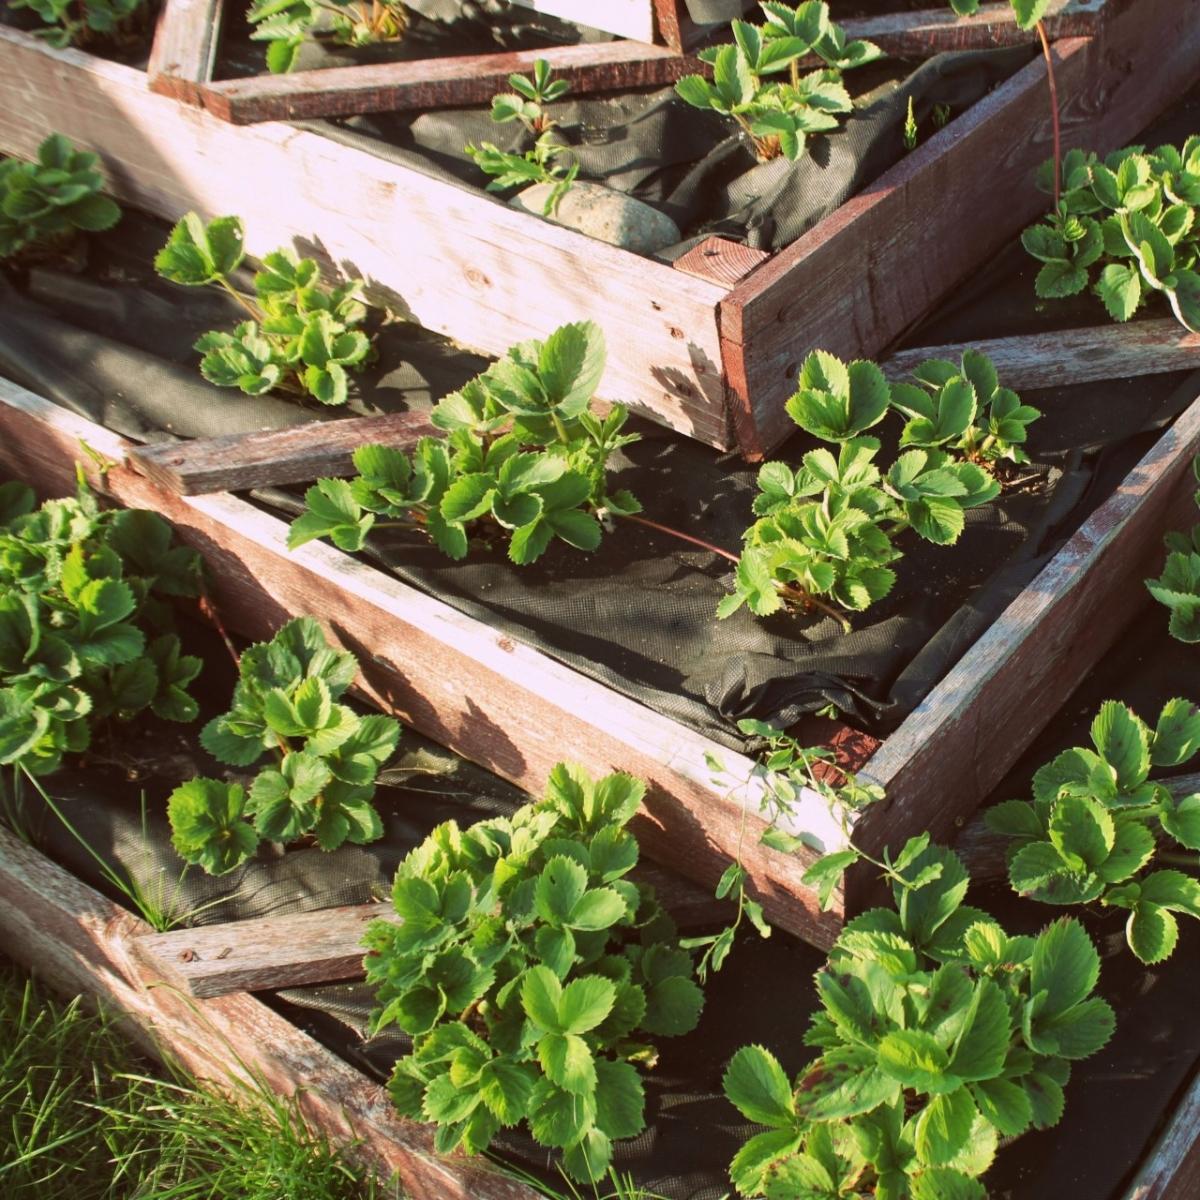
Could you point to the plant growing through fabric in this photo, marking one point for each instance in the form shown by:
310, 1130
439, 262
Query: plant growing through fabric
321, 757
80, 22
547, 160
524, 457
827, 530
962, 409
302, 336
85, 623
45, 204
288, 24
1093, 829
1126, 227
938, 1034
1178, 587
757, 81
531, 973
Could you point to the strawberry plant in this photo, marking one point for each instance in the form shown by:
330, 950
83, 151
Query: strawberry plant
1092, 829
1178, 588
85, 623
828, 528
288, 24
778, 114
547, 160
523, 456
529, 970
1126, 226
938, 1034
302, 335
46, 203
78, 22
961, 407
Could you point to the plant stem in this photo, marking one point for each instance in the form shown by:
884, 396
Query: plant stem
252, 309
810, 601
560, 428
208, 610
1041, 29
684, 537
1177, 859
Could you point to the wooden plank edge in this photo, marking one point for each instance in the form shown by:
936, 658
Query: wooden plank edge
954, 748
1171, 1171
1069, 356
183, 55
78, 941
436, 83
455, 679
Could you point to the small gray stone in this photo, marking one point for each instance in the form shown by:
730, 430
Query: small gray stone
604, 214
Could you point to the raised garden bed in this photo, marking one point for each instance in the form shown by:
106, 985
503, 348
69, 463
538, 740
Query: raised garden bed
712, 356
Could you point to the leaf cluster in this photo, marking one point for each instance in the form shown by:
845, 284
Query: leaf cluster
288, 24
1092, 828
937, 1035
322, 757
1178, 587
529, 971
828, 528
778, 114
47, 201
85, 622
523, 455
547, 160
77, 22
1127, 227
1027, 12
302, 335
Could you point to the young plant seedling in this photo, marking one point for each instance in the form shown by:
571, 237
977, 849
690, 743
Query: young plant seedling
323, 757
302, 336
1091, 831
778, 114
78, 22
961, 408
827, 530
938, 1034
547, 160
85, 623
529, 972
1126, 226
288, 24
524, 456
47, 203
1178, 588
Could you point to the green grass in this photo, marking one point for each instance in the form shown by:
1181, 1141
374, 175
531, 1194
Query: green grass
82, 1118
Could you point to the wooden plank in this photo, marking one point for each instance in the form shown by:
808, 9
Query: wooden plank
954, 748
290, 949
184, 53
626, 18
437, 82
239, 462
857, 280
1044, 360
78, 941
721, 260
1171, 1171
455, 679
286, 950
457, 261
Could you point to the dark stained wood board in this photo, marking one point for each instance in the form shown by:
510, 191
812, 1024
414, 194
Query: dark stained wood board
1068, 356
457, 261
79, 942
239, 462
858, 279
437, 82
453, 678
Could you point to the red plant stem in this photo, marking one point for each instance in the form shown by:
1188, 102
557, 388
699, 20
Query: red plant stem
208, 610
686, 537
1053, 114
